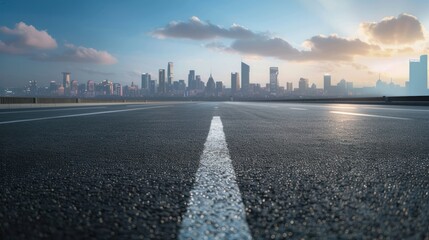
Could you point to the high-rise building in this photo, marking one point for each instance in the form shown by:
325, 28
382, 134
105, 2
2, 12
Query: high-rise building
211, 87
170, 75
107, 87
81, 89
245, 77
342, 87
145, 80
66, 83
152, 87
90, 88
53, 87
327, 83
235, 82
60, 90
274, 73
191, 80
161, 77
33, 88
182, 85
289, 87
117, 89
419, 76
219, 88
303, 84
74, 88
199, 83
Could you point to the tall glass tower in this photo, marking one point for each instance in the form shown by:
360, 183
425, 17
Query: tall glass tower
418, 84
274, 72
161, 77
245, 77
170, 74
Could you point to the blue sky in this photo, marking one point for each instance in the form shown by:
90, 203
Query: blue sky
114, 39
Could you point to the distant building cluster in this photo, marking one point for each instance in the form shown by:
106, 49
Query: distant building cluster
241, 86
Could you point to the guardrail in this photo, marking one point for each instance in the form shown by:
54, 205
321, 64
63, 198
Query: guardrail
417, 100
396, 100
47, 100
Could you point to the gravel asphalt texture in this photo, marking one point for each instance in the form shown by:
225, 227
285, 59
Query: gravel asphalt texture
303, 170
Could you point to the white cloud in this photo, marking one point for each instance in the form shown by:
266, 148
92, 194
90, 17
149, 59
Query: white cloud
80, 54
335, 48
404, 29
24, 39
196, 29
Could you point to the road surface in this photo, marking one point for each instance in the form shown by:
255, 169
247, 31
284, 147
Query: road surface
215, 170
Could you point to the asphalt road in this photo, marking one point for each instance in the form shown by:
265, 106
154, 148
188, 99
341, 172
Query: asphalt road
136, 171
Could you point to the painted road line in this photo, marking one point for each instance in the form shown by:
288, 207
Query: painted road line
51, 110
369, 115
76, 115
328, 106
399, 109
301, 109
215, 208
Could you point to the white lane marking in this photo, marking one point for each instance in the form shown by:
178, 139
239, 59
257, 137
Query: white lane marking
51, 110
368, 115
323, 105
302, 109
215, 208
399, 109
76, 115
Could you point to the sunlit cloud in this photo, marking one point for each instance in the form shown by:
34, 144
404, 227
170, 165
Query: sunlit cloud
267, 47
25, 39
404, 29
196, 29
336, 48
317, 48
79, 54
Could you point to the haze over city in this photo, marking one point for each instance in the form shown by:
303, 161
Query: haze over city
204, 119
351, 40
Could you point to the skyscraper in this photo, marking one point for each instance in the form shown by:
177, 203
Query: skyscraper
74, 87
219, 88
161, 77
145, 80
419, 76
107, 87
303, 84
117, 89
90, 88
245, 77
33, 88
170, 75
235, 82
289, 86
66, 83
53, 87
191, 80
326, 83
152, 87
274, 72
211, 87
199, 83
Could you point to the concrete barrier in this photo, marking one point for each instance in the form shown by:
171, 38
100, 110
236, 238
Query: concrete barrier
404, 100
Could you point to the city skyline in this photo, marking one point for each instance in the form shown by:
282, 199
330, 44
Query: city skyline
356, 47
197, 87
